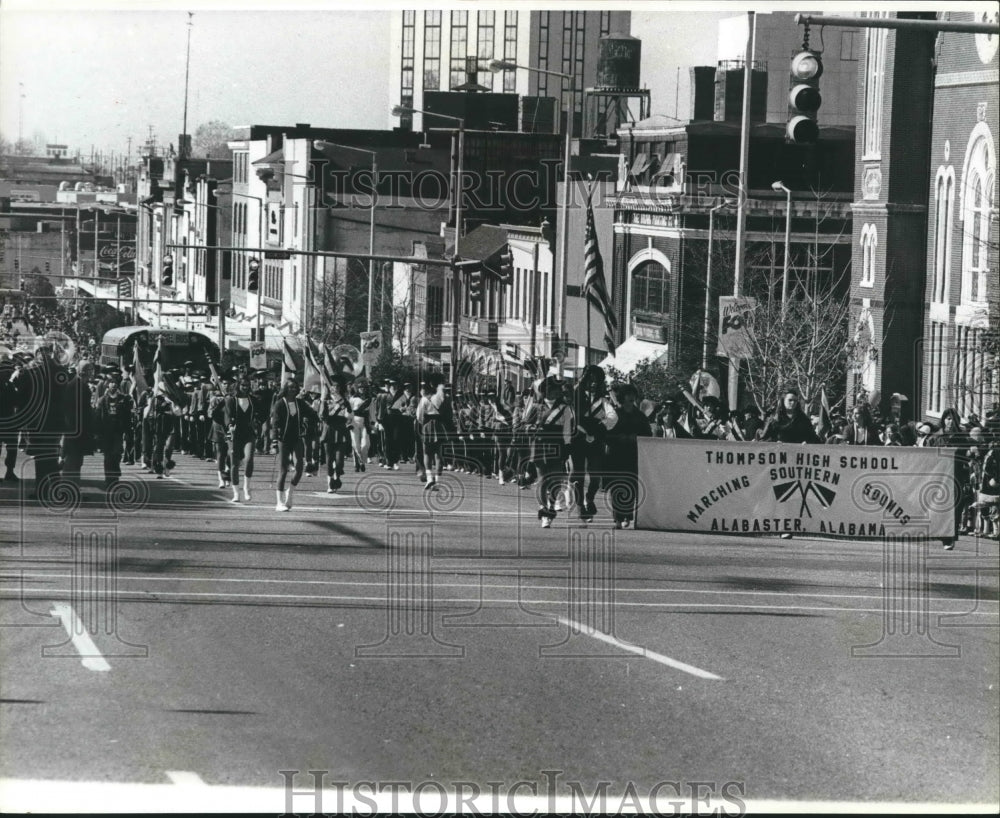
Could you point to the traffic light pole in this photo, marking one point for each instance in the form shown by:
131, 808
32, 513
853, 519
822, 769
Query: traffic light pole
931, 26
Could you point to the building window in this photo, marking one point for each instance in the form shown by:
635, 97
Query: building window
874, 88
407, 66
605, 23
432, 50
509, 50
579, 45
459, 46
973, 376
937, 369
651, 289
543, 53
978, 183
869, 243
849, 46
944, 203
486, 24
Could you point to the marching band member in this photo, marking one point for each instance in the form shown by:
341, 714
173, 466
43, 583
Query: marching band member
335, 415
360, 441
436, 420
288, 427
553, 432
623, 453
239, 420
594, 414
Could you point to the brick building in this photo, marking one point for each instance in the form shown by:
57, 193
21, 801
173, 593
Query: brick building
924, 287
670, 179
962, 294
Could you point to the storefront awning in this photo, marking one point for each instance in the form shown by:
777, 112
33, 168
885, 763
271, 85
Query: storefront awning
634, 350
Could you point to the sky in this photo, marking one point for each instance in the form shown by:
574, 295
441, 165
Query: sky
92, 73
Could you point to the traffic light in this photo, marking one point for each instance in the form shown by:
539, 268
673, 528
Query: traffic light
476, 283
804, 98
17, 265
48, 267
253, 275
167, 275
506, 266
85, 310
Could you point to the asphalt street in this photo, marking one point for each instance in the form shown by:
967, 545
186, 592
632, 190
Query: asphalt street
165, 648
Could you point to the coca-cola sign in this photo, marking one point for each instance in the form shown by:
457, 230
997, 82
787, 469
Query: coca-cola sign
108, 252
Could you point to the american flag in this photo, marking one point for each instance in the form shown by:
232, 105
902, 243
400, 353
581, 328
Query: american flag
595, 288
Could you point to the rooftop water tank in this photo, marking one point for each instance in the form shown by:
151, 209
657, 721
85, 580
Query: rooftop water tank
618, 60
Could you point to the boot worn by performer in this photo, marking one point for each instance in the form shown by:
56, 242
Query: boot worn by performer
288, 497
246, 488
280, 504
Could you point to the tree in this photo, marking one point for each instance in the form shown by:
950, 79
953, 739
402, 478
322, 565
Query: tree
339, 310
807, 346
803, 345
211, 138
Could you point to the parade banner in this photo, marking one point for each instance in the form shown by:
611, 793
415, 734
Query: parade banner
371, 348
778, 488
736, 326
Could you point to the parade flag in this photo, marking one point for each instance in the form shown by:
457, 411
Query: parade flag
595, 288
213, 373
139, 385
704, 384
288, 366
825, 422
162, 384
312, 373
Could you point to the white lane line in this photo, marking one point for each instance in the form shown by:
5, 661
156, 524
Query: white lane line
490, 586
143, 595
91, 656
185, 779
638, 649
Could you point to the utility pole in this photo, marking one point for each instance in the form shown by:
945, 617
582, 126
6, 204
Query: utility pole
182, 152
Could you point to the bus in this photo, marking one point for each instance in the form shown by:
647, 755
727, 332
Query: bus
118, 347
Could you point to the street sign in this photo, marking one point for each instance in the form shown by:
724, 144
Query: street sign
371, 347
431, 348
258, 356
282, 255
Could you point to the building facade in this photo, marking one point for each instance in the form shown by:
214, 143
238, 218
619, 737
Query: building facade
670, 180
961, 309
431, 51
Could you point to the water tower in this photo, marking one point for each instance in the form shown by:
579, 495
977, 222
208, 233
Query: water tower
617, 97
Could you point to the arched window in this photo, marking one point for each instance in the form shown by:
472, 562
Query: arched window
978, 182
943, 225
651, 289
869, 242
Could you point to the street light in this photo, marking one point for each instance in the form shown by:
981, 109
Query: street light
322, 145
708, 279
456, 289
503, 65
780, 186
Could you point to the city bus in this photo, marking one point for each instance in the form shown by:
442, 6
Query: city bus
118, 347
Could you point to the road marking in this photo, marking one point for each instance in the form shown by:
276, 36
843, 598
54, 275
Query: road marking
638, 649
184, 778
144, 595
496, 586
91, 656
